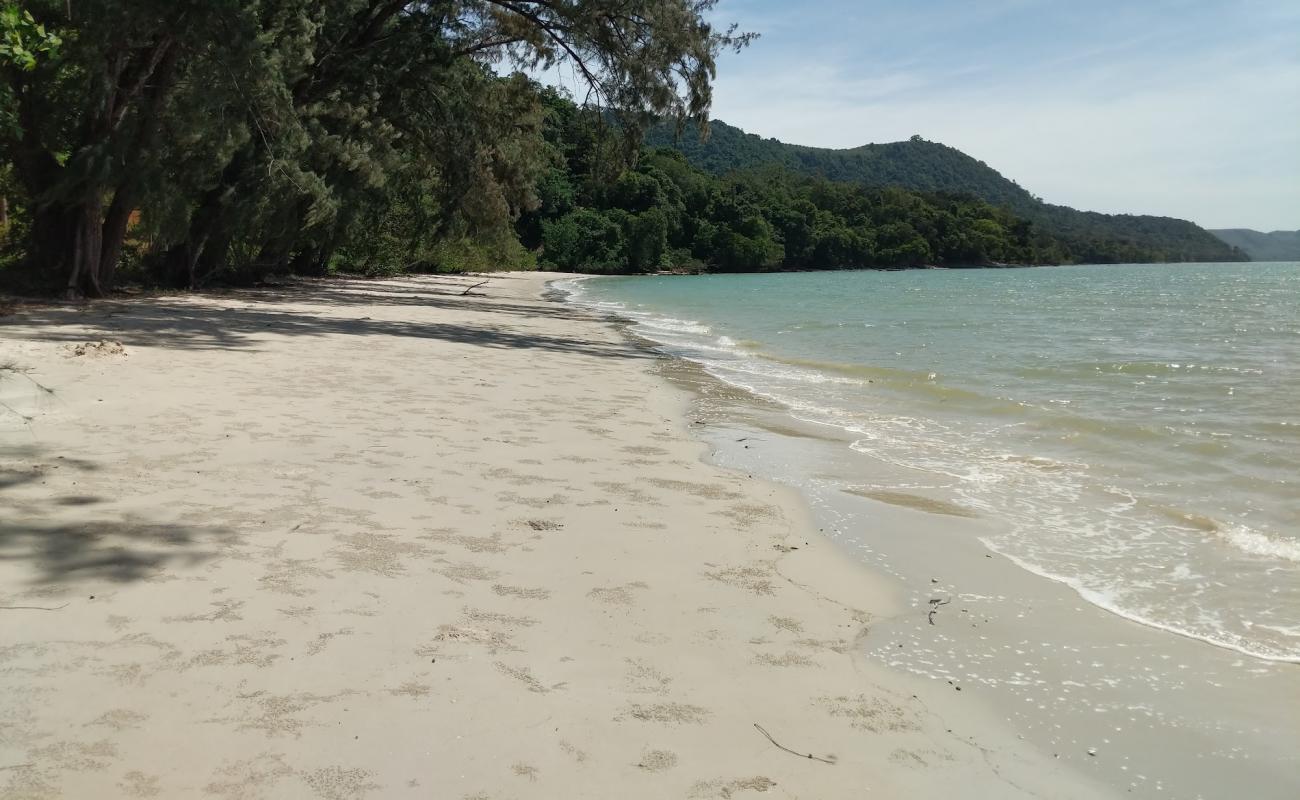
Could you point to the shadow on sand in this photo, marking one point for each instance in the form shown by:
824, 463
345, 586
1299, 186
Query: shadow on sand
175, 322
97, 548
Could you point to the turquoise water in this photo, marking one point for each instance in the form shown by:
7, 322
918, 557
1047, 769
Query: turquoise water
1134, 429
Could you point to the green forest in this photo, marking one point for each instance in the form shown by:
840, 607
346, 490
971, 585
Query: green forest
190, 143
1083, 236
662, 213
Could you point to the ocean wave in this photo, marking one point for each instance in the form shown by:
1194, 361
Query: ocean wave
1110, 541
1261, 544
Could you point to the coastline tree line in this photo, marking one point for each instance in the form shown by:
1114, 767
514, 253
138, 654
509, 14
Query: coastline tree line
188, 142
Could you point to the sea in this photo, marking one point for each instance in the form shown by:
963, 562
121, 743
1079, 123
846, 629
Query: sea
1129, 434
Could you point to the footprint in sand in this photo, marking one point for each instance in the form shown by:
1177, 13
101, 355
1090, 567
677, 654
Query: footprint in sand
658, 760
617, 595
666, 713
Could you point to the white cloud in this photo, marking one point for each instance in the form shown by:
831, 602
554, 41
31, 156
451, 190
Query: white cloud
1188, 121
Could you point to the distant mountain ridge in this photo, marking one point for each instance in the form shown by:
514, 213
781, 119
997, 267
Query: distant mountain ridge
933, 167
1260, 246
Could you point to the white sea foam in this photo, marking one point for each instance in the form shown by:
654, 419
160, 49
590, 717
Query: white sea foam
674, 325
1260, 544
1100, 537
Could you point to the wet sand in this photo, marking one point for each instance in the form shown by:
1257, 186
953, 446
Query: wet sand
1144, 712
383, 539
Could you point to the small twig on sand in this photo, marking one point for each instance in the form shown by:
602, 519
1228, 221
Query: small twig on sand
472, 288
934, 606
34, 608
827, 760
19, 766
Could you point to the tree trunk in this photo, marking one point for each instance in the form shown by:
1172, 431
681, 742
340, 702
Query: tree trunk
114, 235
84, 279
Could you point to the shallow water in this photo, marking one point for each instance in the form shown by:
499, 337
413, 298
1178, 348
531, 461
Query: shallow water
1132, 430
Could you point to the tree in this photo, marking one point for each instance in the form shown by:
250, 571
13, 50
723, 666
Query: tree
254, 135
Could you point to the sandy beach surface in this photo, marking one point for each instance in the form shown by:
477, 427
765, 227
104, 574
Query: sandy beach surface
364, 539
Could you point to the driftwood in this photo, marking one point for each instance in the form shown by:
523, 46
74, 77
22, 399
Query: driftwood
472, 288
827, 760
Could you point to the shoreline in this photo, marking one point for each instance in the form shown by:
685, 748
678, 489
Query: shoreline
375, 539
1138, 708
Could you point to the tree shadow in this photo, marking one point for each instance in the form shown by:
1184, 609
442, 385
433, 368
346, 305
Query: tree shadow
91, 549
178, 323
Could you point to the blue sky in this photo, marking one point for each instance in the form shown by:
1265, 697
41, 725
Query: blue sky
1187, 108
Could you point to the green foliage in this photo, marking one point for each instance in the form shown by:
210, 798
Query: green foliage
930, 167
585, 239
23, 40
661, 213
223, 140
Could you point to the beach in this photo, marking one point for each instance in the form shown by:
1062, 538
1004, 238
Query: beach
418, 538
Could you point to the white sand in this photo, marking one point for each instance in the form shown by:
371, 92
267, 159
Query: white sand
384, 540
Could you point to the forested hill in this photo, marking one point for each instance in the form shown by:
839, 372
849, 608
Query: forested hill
933, 167
915, 164
1275, 246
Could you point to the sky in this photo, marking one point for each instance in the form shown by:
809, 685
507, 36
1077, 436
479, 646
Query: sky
1184, 108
